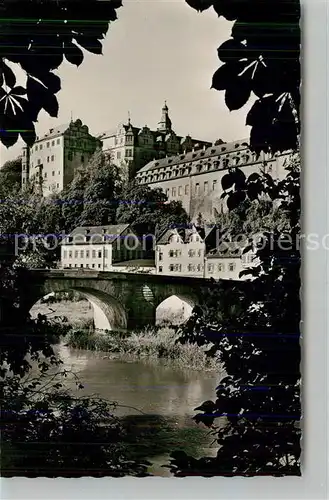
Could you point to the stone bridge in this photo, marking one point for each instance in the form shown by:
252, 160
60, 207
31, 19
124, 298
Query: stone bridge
121, 300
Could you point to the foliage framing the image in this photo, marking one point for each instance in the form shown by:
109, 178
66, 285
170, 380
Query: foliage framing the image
262, 59
37, 41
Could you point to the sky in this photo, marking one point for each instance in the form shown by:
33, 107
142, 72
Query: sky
157, 50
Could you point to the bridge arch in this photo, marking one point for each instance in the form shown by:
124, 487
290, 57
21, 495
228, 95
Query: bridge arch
175, 309
109, 313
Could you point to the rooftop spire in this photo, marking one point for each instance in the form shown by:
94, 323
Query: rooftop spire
165, 122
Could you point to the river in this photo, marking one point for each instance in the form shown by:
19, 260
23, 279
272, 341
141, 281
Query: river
155, 394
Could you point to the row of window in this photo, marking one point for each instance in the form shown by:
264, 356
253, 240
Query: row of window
92, 266
40, 146
199, 267
69, 254
178, 253
128, 154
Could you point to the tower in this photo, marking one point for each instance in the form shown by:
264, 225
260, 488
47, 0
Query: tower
25, 165
164, 124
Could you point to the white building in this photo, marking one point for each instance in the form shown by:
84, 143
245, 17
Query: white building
52, 161
181, 251
100, 247
228, 260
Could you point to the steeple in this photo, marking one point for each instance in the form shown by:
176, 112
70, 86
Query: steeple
165, 122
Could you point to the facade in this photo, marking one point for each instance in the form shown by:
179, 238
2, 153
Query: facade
50, 164
194, 177
100, 247
227, 261
133, 147
182, 251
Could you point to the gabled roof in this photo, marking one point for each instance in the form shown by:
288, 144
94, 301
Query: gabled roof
227, 250
96, 233
200, 154
54, 132
184, 232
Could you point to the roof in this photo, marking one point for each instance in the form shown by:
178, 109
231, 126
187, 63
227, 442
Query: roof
227, 250
200, 154
183, 232
96, 233
54, 132
135, 263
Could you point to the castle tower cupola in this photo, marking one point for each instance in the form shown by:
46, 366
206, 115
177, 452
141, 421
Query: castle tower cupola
165, 122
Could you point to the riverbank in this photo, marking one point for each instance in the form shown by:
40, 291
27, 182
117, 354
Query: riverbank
151, 344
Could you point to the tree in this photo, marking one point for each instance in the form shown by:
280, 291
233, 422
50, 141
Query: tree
10, 177
261, 59
255, 332
51, 32
148, 210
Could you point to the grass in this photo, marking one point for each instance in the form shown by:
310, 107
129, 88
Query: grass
150, 344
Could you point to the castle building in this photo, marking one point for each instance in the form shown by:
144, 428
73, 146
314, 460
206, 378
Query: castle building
194, 177
50, 164
227, 261
133, 147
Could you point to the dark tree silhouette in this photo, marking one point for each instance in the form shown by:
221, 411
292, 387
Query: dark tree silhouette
35, 36
262, 59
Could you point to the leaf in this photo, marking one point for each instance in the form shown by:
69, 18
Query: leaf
51, 81
225, 75
238, 94
235, 199
231, 51
73, 53
9, 75
18, 91
253, 177
91, 44
227, 181
200, 5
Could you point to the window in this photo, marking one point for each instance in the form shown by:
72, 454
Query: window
180, 191
52, 157
210, 268
231, 266
190, 267
48, 144
93, 266
58, 141
178, 267
36, 147
59, 172
70, 156
75, 265
70, 265
118, 155
171, 267
81, 265
197, 188
53, 173
214, 185
81, 254
160, 269
161, 256
87, 254
45, 175
99, 266
57, 185
171, 253
105, 253
70, 255
87, 265
191, 253
47, 159
199, 267
173, 192
65, 254
199, 253
40, 147
94, 254
220, 267
129, 153
53, 143
76, 254
205, 187
99, 254
82, 158
186, 189
38, 162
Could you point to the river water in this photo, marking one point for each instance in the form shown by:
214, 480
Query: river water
150, 392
